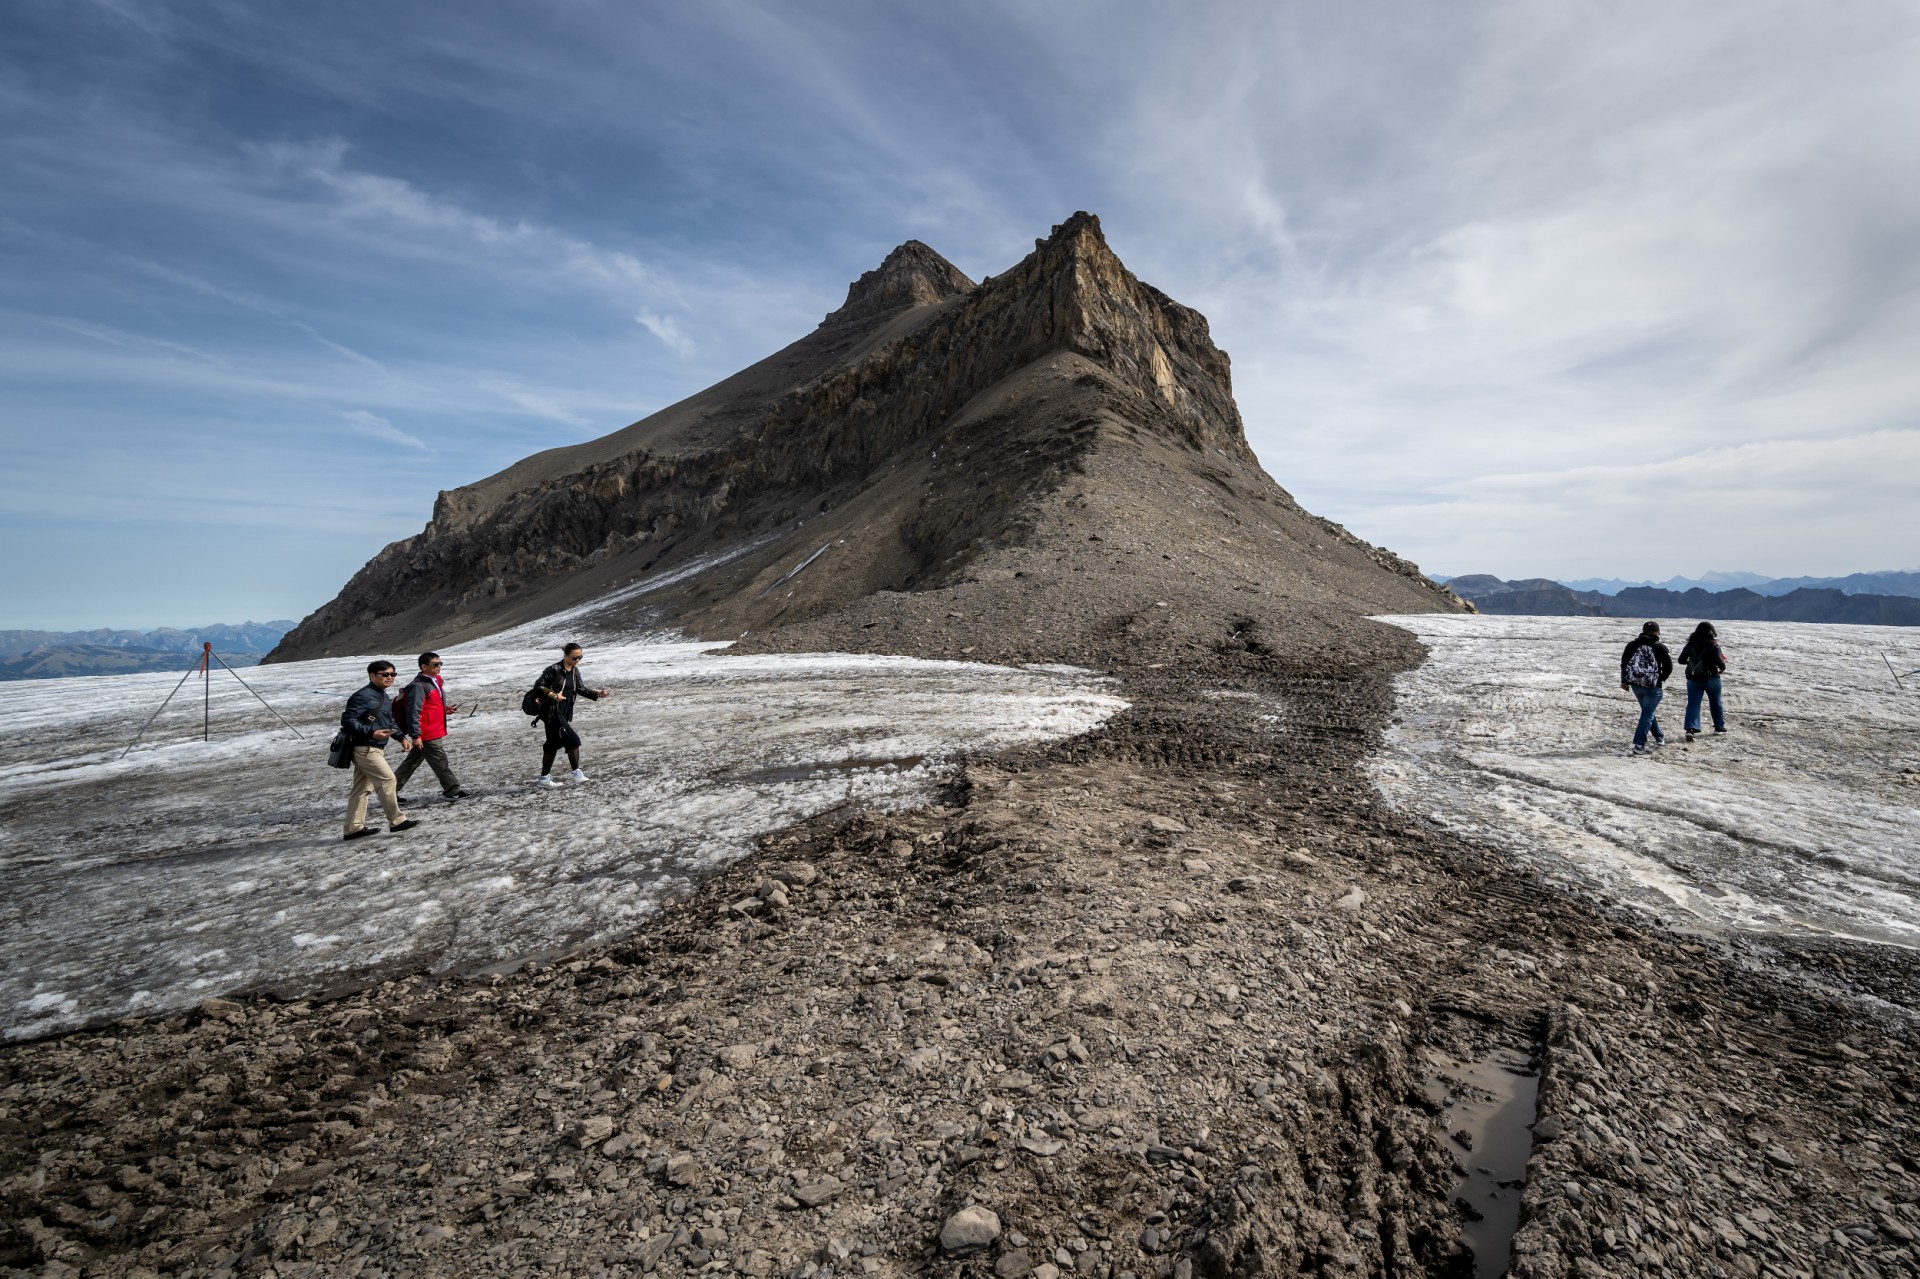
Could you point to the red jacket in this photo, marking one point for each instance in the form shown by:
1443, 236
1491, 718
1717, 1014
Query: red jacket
423, 713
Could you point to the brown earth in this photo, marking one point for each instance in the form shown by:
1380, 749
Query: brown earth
1162, 999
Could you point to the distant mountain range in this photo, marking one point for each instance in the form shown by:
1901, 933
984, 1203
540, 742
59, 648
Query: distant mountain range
1543, 597
1894, 583
52, 654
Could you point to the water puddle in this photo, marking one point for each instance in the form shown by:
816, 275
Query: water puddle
1486, 1110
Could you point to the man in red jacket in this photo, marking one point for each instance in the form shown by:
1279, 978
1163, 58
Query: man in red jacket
423, 717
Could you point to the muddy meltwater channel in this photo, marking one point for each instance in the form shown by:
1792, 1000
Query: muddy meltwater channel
1485, 1110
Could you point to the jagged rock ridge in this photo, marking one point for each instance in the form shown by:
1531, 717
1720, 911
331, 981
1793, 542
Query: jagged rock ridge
847, 440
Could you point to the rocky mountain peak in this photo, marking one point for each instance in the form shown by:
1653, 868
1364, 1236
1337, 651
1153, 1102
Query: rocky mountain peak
911, 275
922, 432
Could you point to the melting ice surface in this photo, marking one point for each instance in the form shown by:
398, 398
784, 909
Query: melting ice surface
190, 868
1803, 818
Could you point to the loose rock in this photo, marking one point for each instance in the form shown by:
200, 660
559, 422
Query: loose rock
970, 1229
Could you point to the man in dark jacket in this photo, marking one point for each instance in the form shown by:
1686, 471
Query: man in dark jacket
423, 717
368, 721
1644, 667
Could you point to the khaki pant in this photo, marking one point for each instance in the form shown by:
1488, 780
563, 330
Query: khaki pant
371, 776
434, 755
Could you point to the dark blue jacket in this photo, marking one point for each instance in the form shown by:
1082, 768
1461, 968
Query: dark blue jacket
367, 710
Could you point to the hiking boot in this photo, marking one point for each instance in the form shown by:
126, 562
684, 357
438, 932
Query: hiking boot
457, 794
1692, 733
579, 776
409, 824
362, 833
1719, 732
544, 782
1639, 750
402, 800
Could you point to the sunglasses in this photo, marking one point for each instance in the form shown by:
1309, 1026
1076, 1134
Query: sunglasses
385, 674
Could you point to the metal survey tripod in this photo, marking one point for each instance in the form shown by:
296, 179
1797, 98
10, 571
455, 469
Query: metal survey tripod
204, 669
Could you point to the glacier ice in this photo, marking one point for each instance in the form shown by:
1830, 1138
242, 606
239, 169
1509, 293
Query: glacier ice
1803, 818
191, 868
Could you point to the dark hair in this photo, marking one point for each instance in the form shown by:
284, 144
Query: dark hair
1705, 631
376, 668
569, 648
428, 656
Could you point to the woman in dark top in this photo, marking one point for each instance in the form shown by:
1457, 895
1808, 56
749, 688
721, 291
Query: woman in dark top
1704, 663
560, 687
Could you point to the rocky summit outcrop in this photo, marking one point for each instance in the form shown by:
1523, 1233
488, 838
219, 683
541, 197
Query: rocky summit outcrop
914, 434
912, 275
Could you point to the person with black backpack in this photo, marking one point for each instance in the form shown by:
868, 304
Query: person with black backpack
1704, 663
552, 701
424, 711
1644, 667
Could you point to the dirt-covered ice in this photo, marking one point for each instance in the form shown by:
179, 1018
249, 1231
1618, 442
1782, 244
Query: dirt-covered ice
189, 868
1802, 817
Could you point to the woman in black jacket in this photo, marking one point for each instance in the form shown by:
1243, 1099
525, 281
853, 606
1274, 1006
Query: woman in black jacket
1704, 663
560, 688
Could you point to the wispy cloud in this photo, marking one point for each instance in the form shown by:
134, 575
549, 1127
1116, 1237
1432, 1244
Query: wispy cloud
537, 403
367, 196
131, 341
666, 329
377, 427
206, 288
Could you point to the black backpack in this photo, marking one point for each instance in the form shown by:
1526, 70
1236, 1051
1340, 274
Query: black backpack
1643, 668
531, 703
1703, 662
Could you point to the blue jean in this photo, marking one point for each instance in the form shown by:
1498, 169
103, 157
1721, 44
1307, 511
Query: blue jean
1711, 688
1649, 699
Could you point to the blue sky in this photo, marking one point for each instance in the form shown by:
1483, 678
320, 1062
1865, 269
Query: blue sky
1557, 289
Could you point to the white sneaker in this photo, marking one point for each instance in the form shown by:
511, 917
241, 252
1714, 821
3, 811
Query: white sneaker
544, 782
579, 776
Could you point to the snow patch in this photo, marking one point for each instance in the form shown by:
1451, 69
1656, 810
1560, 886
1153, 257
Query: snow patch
193, 867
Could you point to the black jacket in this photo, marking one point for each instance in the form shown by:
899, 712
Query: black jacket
1703, 657
367, 710
557, 679
1659, 651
